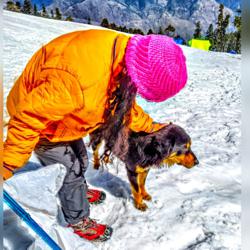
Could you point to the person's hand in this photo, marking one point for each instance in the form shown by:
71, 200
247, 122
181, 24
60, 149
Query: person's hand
158, 126
7, 171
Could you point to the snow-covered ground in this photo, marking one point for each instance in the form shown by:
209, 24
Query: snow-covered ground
191, 209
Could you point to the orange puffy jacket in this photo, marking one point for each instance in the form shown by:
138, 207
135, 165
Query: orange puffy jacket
62, 92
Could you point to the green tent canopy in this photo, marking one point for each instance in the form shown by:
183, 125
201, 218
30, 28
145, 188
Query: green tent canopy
199, 44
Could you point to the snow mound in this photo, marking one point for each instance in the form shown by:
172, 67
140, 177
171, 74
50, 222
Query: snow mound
36, 191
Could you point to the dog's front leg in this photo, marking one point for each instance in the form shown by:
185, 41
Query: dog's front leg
141, 181
135, 179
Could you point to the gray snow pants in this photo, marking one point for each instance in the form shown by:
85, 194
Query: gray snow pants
73, 156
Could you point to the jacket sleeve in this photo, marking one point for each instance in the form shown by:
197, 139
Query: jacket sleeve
56, 96
141, 121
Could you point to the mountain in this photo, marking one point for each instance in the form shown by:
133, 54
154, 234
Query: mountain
38, 3
145, 14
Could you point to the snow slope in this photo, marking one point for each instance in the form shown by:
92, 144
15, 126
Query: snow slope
191, 209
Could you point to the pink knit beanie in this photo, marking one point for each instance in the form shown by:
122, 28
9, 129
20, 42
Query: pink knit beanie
156, 65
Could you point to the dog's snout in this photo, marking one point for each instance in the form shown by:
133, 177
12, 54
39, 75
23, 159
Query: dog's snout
196, 162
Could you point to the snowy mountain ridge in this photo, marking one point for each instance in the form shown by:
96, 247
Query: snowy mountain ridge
232, 4
146, 14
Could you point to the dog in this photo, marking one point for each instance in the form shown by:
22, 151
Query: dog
169, 145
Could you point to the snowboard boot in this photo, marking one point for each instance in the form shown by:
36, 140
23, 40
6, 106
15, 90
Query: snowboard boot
95, 196
90, 230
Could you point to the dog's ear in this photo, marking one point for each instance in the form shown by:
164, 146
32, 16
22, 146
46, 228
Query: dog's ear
169, 144
172, 141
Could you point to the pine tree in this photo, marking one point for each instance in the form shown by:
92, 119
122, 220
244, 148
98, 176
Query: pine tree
58, 14
18, 6
220, 34
124, 29
113, 26
238, 24
220, 16
10, 6
130, 30
210, 35
238, 42
52, 13
69, 18
150, 31
27, 7
197, 31
138, 31
224, 28
170, 30
35, 12
44, 11
231, 42
105, 23
160, 32
210, 32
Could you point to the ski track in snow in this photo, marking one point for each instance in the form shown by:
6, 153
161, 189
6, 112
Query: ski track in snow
191, 209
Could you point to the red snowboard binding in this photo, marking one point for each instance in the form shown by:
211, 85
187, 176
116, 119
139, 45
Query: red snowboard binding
95, 196
92, 231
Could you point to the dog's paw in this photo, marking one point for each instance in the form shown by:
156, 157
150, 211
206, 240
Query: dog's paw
147, 197
96, 165
141, 206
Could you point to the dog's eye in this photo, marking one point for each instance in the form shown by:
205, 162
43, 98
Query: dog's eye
178, 152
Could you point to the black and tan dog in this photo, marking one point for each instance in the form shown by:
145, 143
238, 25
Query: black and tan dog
168, 146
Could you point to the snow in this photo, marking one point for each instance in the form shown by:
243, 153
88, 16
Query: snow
191, 209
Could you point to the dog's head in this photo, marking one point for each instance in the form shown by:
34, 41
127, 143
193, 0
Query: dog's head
174, 146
